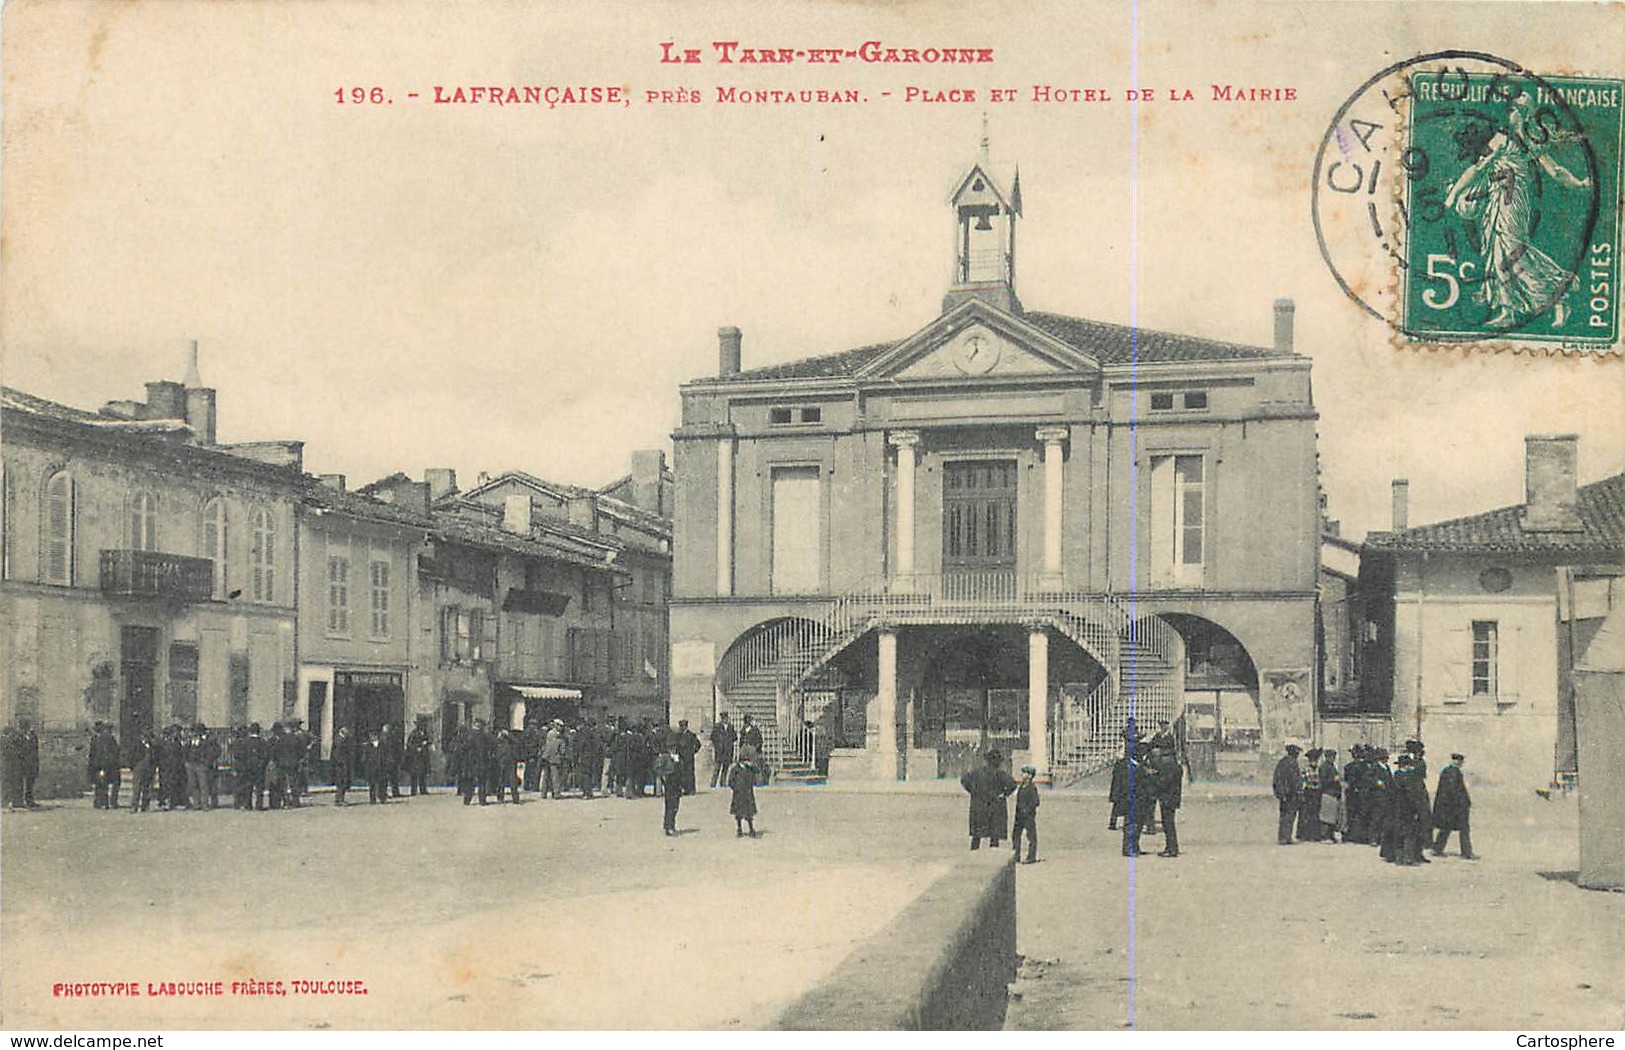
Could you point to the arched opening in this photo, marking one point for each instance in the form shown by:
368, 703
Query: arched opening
1221, 716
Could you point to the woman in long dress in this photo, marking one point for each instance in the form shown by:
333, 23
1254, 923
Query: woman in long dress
1497, 193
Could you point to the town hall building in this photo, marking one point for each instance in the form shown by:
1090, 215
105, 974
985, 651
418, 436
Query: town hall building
1010, 529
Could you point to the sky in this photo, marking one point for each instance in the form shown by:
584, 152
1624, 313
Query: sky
406, 285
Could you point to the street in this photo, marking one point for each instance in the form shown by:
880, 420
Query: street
581, 914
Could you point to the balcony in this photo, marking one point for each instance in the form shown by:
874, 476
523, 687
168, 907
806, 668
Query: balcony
151, 574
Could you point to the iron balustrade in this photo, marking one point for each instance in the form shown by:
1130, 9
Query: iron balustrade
152, 574
763, 672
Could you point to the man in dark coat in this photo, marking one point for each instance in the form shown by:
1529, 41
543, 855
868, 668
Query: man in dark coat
1331, 786
590, 758
1288, 786
530, 751
688, 746
1118, 795
750, 735
29, 749
1451, 806
143, 764
481, 747
723, 738
667, 768
103, 766
286, 754
394, 756
504, 774
1142, 799
988, 787
1027, 802
1170, 780
373, 765
418, 745
11, 767
344, 763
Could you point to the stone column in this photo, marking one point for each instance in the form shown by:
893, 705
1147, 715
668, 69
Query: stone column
905, 442
886, 706
1038, 697
725, 517
1052, 438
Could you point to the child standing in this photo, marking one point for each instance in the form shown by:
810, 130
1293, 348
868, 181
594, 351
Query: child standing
1026, 815
669, 780
742, 781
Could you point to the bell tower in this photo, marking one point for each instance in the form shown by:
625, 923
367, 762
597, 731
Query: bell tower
986, 204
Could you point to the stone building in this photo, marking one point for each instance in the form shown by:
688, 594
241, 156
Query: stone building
1473, 623
148, 570
1008, 528
358, 569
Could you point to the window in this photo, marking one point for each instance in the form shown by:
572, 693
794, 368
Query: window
1196, 399
338, 594
262, 555
59, 526
1162, 402
1178, 520
797, 536
1486, 646
380, 598
462, 632
979, 516
783, 415
214, 542
144, 522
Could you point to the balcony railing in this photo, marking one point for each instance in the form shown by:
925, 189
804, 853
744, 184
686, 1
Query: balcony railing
151, 574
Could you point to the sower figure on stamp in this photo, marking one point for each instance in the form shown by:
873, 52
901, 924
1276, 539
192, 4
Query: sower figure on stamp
988, 787
1451, 806
1288, 787
1027, 803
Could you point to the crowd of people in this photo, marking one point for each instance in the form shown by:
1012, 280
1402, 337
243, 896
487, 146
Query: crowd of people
1147, 781
1373, 801
183, 767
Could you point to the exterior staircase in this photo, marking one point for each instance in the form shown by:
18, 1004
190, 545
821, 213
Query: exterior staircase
764, 673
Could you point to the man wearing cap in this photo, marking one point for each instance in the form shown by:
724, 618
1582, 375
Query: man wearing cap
1288, 785
1142, 799
988, 787
553, 760
103, 766
1309, 800
1026, 815
418, 745
1451, 805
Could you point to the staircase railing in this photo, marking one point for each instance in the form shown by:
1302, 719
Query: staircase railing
762, 672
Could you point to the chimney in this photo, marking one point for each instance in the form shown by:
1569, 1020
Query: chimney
583, 511
728, 353
1334, 527
166, 399
516, 513
648, 468
1551, 484
442, 482
194, 378
1402, 504
201, 410
201, 414
1284, 309
334, 481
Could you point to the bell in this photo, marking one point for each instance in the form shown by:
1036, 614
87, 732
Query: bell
984, 222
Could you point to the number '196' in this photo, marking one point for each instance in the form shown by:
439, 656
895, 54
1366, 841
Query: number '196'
360, 96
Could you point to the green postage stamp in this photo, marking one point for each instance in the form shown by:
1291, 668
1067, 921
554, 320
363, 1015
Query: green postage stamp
1512, 205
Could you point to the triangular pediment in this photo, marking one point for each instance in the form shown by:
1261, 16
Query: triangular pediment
976, 340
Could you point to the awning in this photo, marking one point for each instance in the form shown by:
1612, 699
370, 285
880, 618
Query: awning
546, 692
547, 603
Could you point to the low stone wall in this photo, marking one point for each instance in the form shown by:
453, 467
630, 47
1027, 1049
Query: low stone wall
943, 964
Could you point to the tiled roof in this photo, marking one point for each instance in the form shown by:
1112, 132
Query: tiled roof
318, 494
1110, 344
1121, 344
1602, 520
17, 400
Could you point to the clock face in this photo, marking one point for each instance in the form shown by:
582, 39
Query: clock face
976, 354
